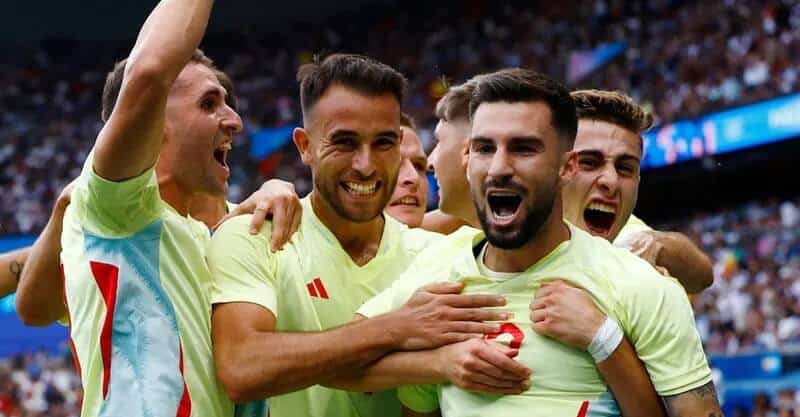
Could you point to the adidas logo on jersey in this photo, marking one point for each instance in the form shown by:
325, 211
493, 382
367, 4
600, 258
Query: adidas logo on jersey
316, 289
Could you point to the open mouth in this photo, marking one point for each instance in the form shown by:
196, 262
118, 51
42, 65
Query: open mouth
406, 201
504, 205
361, 189
599, 217
221, 154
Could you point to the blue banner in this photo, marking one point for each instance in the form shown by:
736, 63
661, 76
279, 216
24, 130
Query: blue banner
266, 141
726, 131
583, 63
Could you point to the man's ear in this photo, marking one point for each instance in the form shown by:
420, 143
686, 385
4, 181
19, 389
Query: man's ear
569, 166
302, 143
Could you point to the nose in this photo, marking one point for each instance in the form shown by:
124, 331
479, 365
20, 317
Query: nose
500, 166
608, 180
407, 176
432, 159
231, 121
363, 162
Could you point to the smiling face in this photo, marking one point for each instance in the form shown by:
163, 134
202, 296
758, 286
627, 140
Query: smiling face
410, 198
199, 132
602, 194
352, 144
515, 156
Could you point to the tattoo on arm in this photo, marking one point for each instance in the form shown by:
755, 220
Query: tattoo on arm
700, 401
16, 269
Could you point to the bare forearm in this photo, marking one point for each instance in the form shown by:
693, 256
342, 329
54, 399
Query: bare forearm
41, 289
392, 371
11, 264
171, 34
628, 380
697, 402
268, 364
131, 139
685, 261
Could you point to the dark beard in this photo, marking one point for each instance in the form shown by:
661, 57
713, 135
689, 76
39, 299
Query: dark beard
536, 217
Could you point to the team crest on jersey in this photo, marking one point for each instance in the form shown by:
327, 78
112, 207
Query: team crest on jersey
509, 334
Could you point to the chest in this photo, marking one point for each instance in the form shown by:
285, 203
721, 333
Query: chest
320, 288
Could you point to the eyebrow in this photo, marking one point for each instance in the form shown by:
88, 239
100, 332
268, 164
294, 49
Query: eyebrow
345, 132
514, 139
216, 91
601, 155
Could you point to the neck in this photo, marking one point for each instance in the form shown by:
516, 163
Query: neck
171, 192
552, 233
359, 240
208, 209
470, 216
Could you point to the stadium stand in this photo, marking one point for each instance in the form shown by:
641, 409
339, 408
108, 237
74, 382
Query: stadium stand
672, 58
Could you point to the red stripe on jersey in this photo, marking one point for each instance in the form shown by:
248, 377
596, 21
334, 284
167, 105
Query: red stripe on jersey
75, 360
311, 289
320, 288
584, 409
106, 276
185, 406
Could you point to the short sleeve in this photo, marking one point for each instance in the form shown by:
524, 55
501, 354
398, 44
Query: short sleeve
419, 398
660, 324
632, 226
242, 266
116, 208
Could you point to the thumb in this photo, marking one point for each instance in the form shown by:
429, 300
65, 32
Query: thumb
445, 288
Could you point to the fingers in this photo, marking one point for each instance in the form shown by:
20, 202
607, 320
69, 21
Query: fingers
262, 210
477, 387
498, 363
474, 300
444, 288
472, 327
475, 314
281, 227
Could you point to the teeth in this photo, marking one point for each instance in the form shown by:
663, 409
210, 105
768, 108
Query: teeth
411, 201
225, 147
602, 207
361, 189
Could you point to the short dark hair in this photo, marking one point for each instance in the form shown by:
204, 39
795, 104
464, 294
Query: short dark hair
358, 72
514, 85
114, 80
406, 120
454, 105
613, 107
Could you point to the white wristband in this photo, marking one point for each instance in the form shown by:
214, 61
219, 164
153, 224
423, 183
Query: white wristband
605, 341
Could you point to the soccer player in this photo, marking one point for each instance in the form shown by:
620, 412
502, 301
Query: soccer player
277, 317
607, 121
410, 198
136, 281
523, 125
602, 195
39, 286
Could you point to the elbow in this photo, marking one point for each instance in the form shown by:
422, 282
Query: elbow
149, 74
236, 385
32, 316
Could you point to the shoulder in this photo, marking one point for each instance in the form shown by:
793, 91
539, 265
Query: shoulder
618, 265
238, 228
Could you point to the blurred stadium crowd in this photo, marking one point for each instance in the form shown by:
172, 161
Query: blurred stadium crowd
677, 61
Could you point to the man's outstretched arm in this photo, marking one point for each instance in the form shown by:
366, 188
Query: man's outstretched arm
131, 139
255, 362
11, 264
40, 295
674, 252
685, 261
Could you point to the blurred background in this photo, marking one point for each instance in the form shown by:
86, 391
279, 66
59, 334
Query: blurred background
722, 78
